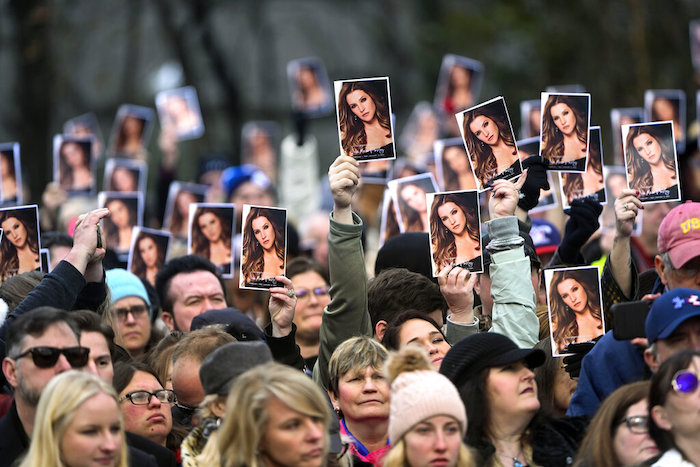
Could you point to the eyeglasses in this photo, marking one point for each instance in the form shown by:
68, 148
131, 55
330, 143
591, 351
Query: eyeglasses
143, 397
318, 291
684, 382
136, 311
637, 424
46, 357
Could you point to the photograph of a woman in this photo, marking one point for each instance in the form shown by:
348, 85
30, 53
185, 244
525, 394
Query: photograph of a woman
259, 143
179, 110
148, 252
177, 207
565, 122
86, 126
651, 161
452, 164
663, 105
211, 234
263, 246
364, 118
389, 226
619, 117
459, 83
309, 87
131, 131
490, 141
530, 118
126, 212
72, 162
455, 233
575, 306
19, 245
125, 175
589, 184
408, 194
10, 174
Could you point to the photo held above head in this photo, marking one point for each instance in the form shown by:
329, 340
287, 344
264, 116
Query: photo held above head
565, 126
263, 247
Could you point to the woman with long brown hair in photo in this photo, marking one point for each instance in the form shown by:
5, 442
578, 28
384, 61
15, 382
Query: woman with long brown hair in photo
564, 132
454, 231
365, 123
650, 162
263, 246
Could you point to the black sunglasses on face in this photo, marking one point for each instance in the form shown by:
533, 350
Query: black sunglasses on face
46, 357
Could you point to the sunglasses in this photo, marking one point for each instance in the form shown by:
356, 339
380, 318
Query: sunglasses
318, 291
637, 424
684, 382
46, 357
143, 397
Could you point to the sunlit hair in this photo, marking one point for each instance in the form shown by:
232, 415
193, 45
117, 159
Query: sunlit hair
352, 129
639, 170
598, 447
411, 218
9, 265
552, 138
111, 229
138, 266
59, 403
354, 355
396, 457
253, 260
65, 170
573, 182
563, 318
200, 244
482, 157
444, 247
241, 436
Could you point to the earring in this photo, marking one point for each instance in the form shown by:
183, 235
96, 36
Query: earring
338, 412
355, 117
482, 144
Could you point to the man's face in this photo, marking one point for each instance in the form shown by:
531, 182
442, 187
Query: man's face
685, 337
687, 276
24, 376
192, 294
186, 382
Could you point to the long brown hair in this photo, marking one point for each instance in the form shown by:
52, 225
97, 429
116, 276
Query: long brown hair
200, 244
352, 129
482, 157
443, 240
552, 138
139, 267
9, 261
563, 318
572, 183
638, 169
253, 260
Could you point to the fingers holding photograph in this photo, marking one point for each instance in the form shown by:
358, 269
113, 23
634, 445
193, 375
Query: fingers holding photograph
20, 241
564, 134
455, 232
365, 127
263, 246
211, 234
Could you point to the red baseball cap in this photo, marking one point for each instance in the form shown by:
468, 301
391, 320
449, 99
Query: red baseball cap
679, 233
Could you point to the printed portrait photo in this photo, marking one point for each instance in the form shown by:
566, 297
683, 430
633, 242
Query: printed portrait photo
589, 184
410, 203
10, 174
661, 105
452, 165
131, 131
263, 247
86, 126
21, 240
455, 232
619, 117
73, 164
365, 127
575, 306
125, 175
490, 142
177, 206
564, 136
651, 161
389, 225
458, 84
126, 212
309, 87
148, 252
420, 132
178, 110
260, 141
530, 118
211, 234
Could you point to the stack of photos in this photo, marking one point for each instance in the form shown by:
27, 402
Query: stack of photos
126, 213
490, 141
148, 252
455, 232
410, 203
211, 227
651, 162
365, 126
263, 247
73, 164
20, 240
564, 136
309, 87
177, 206
178, 110
10, 175
575, 306
589, 184
125, 175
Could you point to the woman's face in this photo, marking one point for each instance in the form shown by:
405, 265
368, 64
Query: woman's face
153, 420
264, 232
309, 309
4, 164
485, 130
511, 389
362, 105
210, 226
182, 202
456, 159
119, 213
573, 294
681, 412
132, 126
363, 395
563, 118
433, 441
648, 148
93, 437
422, 333
148, 251
452, 217
633, 448
123, 180
292, 438
73, 154
15, 232
664, 110
414, 196
460, 77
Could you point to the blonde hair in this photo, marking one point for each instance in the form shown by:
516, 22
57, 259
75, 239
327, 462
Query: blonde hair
60, 401
396, 457
241, 434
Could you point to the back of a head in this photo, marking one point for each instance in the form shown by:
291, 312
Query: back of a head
16, 288
409, 250
198, 344
182, 265
224, 365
